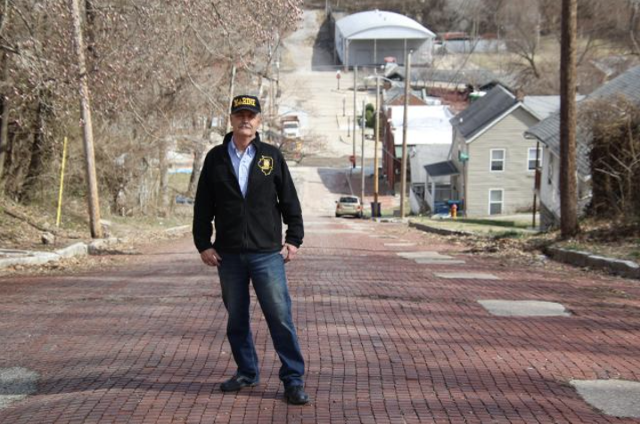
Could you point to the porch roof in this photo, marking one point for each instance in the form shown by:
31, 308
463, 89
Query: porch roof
441, 169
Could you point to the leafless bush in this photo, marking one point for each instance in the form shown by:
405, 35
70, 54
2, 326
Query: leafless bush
615, 157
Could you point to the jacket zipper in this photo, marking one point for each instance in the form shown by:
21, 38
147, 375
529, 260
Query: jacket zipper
245, 241
245, 211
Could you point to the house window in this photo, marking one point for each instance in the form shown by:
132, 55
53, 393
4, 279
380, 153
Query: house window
531, 158
497, 160
496, 200
550, 171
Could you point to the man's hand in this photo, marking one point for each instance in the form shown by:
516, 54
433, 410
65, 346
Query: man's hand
288, 252
210, 257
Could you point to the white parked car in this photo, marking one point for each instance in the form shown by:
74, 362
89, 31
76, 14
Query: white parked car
290, 127
349, 206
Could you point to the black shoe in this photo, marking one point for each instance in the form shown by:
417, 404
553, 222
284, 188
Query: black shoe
236, 383
295, 395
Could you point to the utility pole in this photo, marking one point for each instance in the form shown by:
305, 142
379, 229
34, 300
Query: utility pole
355, 111
231, 88
375, 210
278, 76
272, 101
4, 126
362, 158
163, 198
568, 180
405, 124
536, 185
87, 126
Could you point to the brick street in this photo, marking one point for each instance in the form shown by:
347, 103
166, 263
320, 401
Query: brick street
385, 339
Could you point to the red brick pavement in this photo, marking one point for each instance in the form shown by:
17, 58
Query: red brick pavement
385, 340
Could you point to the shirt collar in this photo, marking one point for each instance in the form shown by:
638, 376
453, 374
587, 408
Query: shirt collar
249, 150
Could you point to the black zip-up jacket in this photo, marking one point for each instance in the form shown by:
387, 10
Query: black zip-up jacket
252, 223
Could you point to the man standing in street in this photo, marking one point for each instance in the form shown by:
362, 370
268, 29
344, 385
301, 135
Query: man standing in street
246, 189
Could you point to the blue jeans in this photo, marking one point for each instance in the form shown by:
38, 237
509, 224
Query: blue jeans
266, 272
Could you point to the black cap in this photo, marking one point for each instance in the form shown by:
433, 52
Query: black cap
245, 102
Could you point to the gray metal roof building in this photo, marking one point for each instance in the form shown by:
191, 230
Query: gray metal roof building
366, 38
483, 111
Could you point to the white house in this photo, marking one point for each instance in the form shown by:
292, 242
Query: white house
491, 166
429, 138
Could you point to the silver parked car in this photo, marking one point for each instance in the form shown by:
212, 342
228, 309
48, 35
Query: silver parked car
349, 205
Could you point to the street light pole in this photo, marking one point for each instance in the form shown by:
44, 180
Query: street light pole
405, 124
355, 111
375, 207
376, 210
362, 156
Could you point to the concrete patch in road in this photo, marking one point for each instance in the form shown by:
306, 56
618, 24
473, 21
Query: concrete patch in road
618, 398
466, 275
524, 308
399, 244
423, 255
16, 384
435, 261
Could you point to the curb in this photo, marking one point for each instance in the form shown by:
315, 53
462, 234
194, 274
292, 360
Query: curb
76, 249
178, 230
26, 257
628, 269
96, 246
440, 231
29, 258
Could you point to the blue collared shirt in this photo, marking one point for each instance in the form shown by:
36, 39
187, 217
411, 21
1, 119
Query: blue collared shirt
241, 162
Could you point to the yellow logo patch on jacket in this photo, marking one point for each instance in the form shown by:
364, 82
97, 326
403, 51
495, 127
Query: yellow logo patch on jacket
266, 164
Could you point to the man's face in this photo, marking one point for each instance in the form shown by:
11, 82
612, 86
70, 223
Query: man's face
245, 122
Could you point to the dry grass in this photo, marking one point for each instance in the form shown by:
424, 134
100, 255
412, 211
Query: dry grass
25, 234
607, 238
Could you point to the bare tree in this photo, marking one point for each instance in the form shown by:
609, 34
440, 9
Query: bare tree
150, 64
